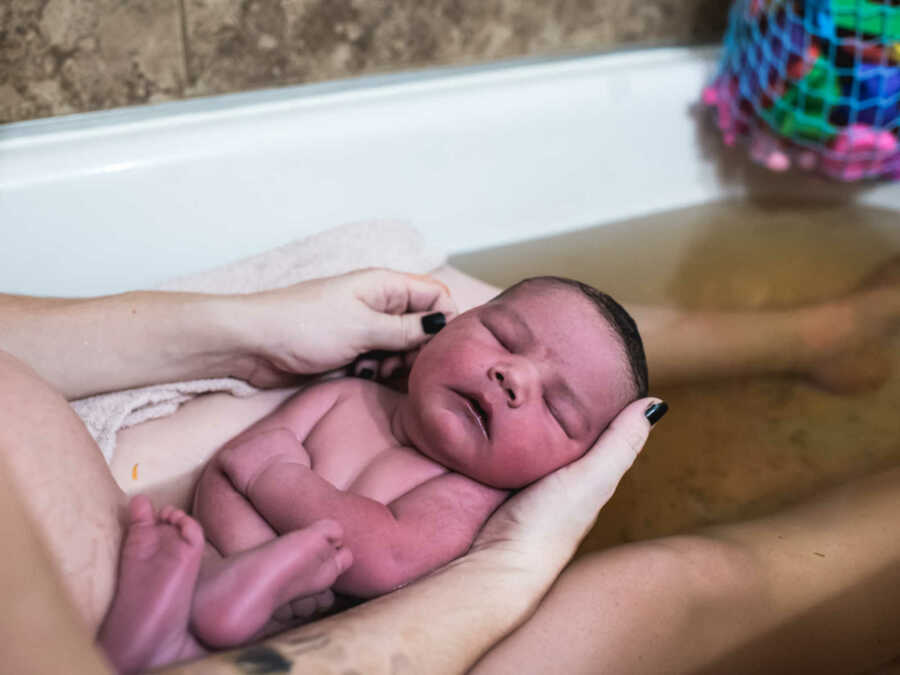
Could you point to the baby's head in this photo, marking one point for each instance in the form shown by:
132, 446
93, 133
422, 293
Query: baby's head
524, 384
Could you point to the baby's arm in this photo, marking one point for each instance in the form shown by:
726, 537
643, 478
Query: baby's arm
392, 545
230, 521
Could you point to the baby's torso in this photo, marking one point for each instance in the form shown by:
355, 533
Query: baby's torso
353, 447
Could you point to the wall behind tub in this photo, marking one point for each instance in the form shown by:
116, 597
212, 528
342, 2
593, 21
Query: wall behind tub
67, 56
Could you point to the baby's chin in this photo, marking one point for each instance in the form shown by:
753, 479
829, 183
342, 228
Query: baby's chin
508, 478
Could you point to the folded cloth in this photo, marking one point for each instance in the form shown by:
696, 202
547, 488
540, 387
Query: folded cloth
342, 249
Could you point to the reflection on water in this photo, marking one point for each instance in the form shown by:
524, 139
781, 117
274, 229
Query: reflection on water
740, 448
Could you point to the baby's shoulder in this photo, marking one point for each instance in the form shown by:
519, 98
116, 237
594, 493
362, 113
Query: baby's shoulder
339, 390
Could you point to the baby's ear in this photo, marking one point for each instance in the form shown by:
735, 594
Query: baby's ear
409, 358
397, 365
395, 372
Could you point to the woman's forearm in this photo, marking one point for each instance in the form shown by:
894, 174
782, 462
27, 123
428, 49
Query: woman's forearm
440, 624
87, 346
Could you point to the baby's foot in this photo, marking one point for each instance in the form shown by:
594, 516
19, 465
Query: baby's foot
856, 358
237, 595
147, 624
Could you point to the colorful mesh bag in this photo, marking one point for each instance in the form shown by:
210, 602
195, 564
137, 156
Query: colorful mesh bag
813, 84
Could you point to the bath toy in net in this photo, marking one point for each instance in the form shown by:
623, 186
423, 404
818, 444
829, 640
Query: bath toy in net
813, 84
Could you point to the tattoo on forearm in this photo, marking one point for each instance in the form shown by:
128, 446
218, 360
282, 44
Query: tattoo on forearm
261, 660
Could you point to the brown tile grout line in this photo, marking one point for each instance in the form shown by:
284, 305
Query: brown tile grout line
185, 47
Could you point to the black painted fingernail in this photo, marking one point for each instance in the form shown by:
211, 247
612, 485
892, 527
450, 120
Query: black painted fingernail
432, 323
656, 411
366, 373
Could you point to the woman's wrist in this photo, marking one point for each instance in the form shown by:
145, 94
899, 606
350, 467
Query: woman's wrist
221, 341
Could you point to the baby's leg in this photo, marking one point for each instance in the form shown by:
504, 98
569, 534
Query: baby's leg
236, 596
147, 624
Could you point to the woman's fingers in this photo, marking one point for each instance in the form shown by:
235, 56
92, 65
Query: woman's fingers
405, 309
404, 331
593, 478
549, 518
398, 292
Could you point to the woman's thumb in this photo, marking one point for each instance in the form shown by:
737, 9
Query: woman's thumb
402, 332
618, 446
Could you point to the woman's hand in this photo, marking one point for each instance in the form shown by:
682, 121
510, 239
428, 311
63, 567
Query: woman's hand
322, 324
539, 528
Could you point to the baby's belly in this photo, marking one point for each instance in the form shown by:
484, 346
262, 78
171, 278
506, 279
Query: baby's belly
163, 458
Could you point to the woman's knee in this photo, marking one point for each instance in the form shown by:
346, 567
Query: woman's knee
64, 482
14, 371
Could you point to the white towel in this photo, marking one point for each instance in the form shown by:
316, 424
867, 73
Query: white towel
370, 244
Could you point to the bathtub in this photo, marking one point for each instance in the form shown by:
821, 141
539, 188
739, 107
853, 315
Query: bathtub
474, 157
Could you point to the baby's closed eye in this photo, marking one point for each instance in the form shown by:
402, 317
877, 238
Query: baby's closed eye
501, 339
554, 413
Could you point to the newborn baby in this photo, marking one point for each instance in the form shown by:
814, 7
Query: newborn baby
354, 487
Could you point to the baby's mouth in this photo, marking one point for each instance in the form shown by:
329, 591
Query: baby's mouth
478, 413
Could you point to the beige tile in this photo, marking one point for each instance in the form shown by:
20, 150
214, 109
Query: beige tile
236, 45
61, 56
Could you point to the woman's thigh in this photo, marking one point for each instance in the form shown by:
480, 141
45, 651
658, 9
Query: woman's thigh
65, 483
760, 596
629, 609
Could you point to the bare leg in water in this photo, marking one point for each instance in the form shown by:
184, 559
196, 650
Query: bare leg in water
815, 588
837, 345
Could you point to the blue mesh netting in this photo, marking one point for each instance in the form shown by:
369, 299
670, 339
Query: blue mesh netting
813, 83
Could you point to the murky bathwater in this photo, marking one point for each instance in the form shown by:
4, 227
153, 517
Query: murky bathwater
730, 449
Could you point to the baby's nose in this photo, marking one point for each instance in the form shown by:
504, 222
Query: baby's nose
514, 382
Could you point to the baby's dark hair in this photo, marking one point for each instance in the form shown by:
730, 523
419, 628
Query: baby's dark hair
616, 316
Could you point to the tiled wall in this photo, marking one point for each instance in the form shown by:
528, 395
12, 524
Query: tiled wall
65, 56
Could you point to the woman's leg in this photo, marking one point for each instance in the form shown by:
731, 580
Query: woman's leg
815, 588
835, 344
65, 483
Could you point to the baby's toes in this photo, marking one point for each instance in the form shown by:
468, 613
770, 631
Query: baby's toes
304, 608
334, 556
331, 530
343, 559
191, 531
171, 515
140, 511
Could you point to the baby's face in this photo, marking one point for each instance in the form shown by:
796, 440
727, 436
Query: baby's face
513, 389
